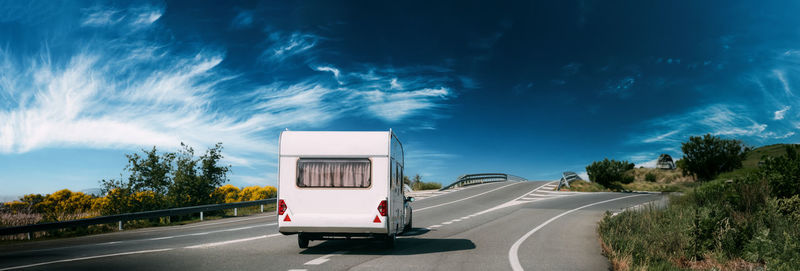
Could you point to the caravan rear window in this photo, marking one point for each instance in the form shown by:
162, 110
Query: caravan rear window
338, 173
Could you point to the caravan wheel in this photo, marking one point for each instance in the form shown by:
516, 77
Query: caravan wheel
302, 241
390, 240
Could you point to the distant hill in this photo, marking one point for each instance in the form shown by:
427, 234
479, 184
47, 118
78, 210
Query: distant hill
756, 154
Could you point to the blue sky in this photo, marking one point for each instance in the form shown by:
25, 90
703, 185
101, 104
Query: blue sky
527, 88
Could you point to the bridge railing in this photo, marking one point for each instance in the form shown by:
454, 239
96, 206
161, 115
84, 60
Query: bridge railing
471, 179
120, 218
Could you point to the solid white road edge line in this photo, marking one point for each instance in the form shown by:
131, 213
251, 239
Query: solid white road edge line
446, 203
86, 258
204, 233
513, 258
232, 241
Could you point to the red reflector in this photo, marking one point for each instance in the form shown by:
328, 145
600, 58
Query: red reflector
383, 208
281, 207
287, 218
376, 220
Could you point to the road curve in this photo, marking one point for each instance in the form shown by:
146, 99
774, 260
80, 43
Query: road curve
496, 226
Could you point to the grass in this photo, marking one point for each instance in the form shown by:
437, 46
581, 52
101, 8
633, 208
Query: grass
663, 181
127, 225
584, 186
730, 223
756, 155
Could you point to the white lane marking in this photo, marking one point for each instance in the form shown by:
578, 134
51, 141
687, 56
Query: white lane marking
232, 241
456, 220
434, 226
450, 191
464, 217
206, 233
86, 258
201, 224
297, 270
324, 259
513, 258
510, 203
446, 203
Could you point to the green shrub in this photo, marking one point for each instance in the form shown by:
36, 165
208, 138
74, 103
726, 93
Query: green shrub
650, 177
608, 172
420, 185
708, 156
783, 173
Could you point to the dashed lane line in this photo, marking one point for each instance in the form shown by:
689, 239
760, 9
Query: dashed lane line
324, 259
513, 256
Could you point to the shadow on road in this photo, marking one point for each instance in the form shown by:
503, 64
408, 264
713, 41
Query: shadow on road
403, 246
415, 232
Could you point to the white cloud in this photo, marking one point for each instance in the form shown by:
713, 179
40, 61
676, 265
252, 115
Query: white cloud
781, 75
333, 70
661, 137
394, 106
781, 113
146, 15
100, 16
285, 46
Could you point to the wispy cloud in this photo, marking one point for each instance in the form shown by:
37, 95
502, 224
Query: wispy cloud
781, 113
287, 45
103, 16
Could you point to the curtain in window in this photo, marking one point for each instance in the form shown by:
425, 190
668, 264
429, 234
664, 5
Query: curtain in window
333, 173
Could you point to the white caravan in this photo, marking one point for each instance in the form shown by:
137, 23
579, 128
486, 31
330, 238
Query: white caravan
341, 185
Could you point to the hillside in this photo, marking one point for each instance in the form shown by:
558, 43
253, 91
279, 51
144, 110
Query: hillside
756, 154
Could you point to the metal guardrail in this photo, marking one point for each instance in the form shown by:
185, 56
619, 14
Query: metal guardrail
479, 178
566, 178
131, 216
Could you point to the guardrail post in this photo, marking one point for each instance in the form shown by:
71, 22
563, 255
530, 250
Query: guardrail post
201, 216
235, 211
29, 236
119, 223
262, 208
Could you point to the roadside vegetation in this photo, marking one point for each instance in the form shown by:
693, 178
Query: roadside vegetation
417, 184
150, 181
737, 215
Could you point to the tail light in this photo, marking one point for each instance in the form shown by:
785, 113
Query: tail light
281, 207
383, 208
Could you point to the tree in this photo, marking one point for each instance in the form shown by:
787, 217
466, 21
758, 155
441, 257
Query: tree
708, 156
608, 172
150, 172
196, 179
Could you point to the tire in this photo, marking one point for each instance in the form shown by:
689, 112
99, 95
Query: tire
302, 241
389, 241
410, 220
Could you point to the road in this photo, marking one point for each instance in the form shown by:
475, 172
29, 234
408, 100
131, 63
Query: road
496, 226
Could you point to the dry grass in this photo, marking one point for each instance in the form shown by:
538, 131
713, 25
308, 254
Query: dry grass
664, 176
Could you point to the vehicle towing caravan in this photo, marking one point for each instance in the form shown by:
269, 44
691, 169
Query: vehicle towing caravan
334, 185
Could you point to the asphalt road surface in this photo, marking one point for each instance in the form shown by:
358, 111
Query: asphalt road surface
496, 226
